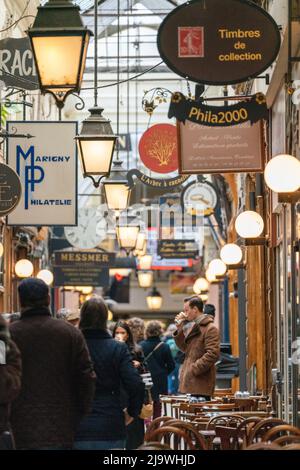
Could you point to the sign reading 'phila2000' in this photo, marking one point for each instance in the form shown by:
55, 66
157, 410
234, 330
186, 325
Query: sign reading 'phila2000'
218, 41
47, 167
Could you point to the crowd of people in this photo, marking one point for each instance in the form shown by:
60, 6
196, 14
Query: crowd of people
66, 386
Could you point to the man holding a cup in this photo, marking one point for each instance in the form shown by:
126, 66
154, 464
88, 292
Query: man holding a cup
199, 339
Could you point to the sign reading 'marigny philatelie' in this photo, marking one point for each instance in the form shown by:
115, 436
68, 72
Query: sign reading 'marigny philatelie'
47, 167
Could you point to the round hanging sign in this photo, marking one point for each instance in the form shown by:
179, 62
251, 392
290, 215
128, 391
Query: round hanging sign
218, 42
10, 189
158, 148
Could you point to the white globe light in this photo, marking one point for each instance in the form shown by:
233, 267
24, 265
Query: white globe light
210, 276
1, 249
46, 276
201, 285
24, 268
249, 224
217, 267
231, 254
282, 174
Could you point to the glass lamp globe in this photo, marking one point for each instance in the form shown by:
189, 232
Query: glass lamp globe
231, 254
24, 268
1, 249
46, 276
249, 224
201, 285
217, 267
282, 174
210, 276
204, 297
154, 300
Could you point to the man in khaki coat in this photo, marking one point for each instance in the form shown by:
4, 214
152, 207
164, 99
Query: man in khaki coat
199, 339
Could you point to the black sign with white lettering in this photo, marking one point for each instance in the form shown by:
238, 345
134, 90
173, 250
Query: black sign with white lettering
85, 276
178, 249
17, 68
10, 189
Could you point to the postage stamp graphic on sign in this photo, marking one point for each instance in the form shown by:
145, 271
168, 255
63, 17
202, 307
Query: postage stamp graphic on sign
190, 41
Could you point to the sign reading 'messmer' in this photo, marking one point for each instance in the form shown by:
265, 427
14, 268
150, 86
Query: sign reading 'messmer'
218, 41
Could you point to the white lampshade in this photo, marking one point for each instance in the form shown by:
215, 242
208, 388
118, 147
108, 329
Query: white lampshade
154, 300
24, 268
201, 285
210, 276
217, 267
231, 254
127, 236
249, 224
1, 249
282, 174
145, 262
46, 276
145, 278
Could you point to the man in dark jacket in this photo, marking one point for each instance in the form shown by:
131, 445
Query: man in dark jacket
10, 380
58, 380
199, 339
158, 358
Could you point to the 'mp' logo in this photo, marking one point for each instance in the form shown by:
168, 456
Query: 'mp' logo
33, 174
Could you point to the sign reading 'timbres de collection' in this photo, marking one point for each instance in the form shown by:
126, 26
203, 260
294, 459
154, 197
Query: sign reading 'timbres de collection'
218, 41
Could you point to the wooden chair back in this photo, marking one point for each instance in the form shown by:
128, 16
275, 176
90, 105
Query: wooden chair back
175, 438
260, 429
230, 420
264, 446
286, 440
278, 431
245, 427
228, 437
155, 424
198, 440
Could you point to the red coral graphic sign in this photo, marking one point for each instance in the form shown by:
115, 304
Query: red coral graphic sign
158, 148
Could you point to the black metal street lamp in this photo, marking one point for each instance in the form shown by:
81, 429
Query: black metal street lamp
116, 189
96, 141
154, 299
59, 42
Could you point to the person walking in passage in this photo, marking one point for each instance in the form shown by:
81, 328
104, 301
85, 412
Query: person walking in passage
10, 382
58, 381
135, 431
105, 427
159, 360
199, 339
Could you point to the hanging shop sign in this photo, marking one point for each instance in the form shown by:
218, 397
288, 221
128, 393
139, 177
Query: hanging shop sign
199, 198
47, 167
175, 249
182, 283
84, 258
234, 149
251, 110
10, 189
85, 276
218, 41
154, 182
158, 148
17, 67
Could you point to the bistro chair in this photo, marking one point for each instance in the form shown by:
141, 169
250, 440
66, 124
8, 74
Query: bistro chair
287, 440
260, 429
279, 431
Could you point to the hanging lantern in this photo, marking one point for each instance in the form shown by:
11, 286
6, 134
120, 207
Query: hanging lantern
116, 189
231, 254
59, 42
127, 236
24, 268
145, 278
154, 300
46, 276
145, 262
249, 224
140, 242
